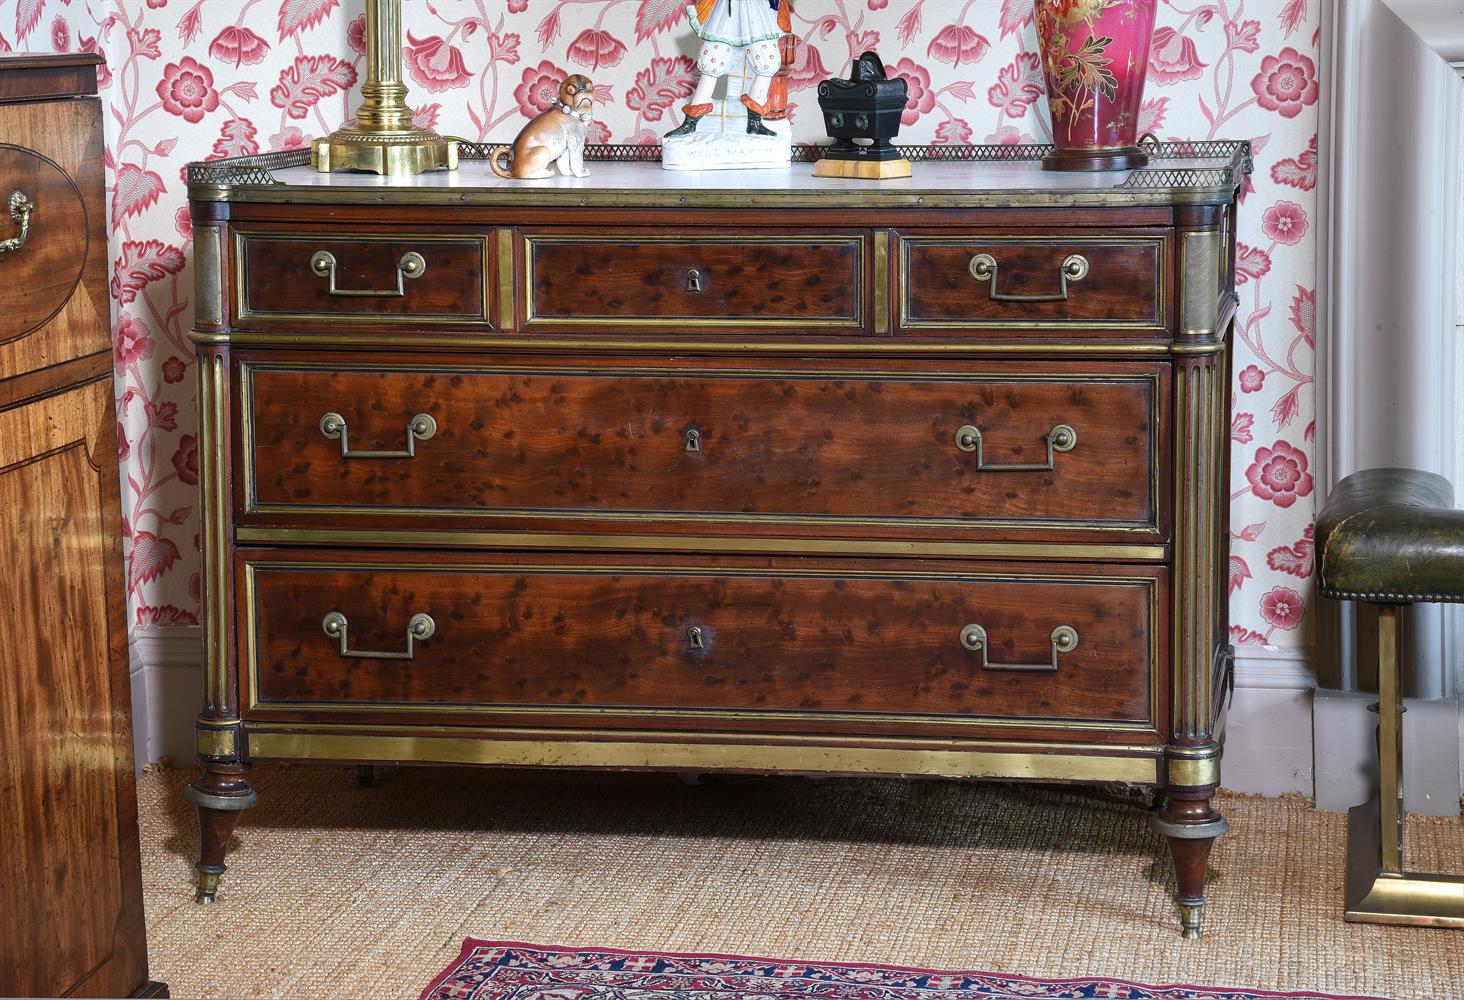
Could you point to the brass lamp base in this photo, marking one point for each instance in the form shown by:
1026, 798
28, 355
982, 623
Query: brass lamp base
413, 151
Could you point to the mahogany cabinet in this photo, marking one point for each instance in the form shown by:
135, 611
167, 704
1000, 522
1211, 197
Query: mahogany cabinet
753, 472
71, 918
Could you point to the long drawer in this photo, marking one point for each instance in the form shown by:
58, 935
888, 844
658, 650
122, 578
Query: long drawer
583, 640
958, 453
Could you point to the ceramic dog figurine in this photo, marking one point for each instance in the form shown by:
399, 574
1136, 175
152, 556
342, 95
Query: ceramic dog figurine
554, 139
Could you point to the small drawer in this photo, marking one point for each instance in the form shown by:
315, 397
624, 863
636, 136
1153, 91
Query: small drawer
979, 450
1032, 284
338, 277
813, 639
693, 281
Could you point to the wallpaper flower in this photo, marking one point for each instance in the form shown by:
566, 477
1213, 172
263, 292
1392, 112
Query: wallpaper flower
196, 79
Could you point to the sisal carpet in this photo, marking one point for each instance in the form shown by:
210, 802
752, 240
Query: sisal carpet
339, 891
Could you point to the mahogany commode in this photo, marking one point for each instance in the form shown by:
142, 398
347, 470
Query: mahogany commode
797, 475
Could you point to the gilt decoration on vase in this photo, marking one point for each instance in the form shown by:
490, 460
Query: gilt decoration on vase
1095, 56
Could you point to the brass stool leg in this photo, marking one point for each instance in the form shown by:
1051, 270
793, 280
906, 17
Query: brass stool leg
1390, 741
1378, 889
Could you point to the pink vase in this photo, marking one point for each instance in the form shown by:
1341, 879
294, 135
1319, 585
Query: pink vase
1095, 55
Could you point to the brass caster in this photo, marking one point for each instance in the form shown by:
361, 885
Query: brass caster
1190, 916
208, 886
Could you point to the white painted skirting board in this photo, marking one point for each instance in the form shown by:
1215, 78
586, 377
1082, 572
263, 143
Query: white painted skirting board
1268, 728
167, 686
1269, 744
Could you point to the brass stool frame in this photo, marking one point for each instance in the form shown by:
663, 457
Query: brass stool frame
1379, 891
1392, 538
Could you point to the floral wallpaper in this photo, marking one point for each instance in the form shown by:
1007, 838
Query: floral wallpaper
193, 79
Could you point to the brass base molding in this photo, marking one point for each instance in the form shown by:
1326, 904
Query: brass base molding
1050, 762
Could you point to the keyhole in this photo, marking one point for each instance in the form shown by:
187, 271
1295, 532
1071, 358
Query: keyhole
694, 638
693, 440
693, 282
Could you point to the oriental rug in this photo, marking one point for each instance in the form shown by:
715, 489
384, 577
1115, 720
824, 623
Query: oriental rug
499, 970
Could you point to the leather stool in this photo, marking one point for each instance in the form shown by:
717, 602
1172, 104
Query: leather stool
1391, 537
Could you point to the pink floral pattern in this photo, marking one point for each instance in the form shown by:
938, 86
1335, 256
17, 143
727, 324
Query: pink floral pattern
195, 79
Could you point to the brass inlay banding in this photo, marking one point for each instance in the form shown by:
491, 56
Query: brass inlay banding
258, 709
1061, 438
565, 751
854, 241
1159, 242
244, 309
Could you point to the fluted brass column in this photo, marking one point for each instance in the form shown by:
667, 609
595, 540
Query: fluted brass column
383, 139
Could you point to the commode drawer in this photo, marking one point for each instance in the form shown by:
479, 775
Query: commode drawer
351, 277
695, 281
970, 451
1032, 283
583, 636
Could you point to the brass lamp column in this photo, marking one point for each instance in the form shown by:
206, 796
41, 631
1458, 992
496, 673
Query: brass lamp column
383, 139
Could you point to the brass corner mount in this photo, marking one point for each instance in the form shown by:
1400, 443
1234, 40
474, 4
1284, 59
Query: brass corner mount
383, 139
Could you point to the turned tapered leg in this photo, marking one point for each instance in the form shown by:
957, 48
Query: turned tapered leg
1191, 826
221, 793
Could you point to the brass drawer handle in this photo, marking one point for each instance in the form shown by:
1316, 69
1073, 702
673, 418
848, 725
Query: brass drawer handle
21, 208
1060, 438
1074, 268
412, 265
1064, 640
420, 628
419, 428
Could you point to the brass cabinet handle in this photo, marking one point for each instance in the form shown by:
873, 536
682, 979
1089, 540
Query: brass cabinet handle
21, 208
1064, 640
419, 428
1060, 438
412, 265
420, 628
693, 281
1074, 268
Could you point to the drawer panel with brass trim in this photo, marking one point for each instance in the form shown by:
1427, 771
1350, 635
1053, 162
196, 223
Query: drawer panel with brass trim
695, 281
1106, 286
816, 640
968, 451
339, 276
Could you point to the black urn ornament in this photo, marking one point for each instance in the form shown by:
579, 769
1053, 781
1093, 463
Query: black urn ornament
867, 106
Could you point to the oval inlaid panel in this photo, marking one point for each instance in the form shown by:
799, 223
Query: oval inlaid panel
37, 278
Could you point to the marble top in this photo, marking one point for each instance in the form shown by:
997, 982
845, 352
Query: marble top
646, 184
